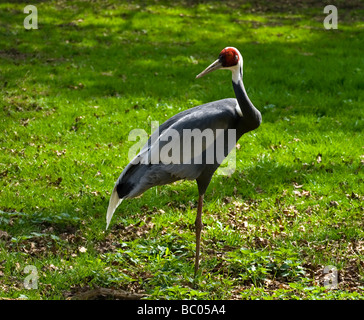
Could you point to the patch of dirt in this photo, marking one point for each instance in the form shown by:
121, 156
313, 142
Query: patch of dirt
87, 293
120, 232
12, 54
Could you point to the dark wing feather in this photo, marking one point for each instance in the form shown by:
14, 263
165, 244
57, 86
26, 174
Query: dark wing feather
137, 178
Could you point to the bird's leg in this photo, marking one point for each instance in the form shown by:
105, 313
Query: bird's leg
198, 224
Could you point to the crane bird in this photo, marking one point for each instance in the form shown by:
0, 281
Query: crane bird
239, 115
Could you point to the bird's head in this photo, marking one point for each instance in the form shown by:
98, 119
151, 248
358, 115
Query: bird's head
229, 58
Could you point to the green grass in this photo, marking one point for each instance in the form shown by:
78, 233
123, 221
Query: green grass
72, 91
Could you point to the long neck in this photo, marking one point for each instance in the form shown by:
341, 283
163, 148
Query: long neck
251, 114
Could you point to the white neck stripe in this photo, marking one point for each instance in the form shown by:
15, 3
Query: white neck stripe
238, 109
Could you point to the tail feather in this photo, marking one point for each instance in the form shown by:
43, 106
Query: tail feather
113, 204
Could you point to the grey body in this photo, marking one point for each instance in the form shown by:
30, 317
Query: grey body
221, 114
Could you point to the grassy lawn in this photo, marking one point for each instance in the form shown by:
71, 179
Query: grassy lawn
72, 90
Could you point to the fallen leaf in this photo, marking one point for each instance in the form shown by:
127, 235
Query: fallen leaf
82, 249
334, 204
297, 186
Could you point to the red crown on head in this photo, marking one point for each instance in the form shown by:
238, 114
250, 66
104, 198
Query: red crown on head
229, 57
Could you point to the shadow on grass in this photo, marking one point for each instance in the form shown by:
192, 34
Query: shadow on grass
125, 58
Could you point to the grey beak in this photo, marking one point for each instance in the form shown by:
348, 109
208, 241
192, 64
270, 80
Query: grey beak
213, 66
